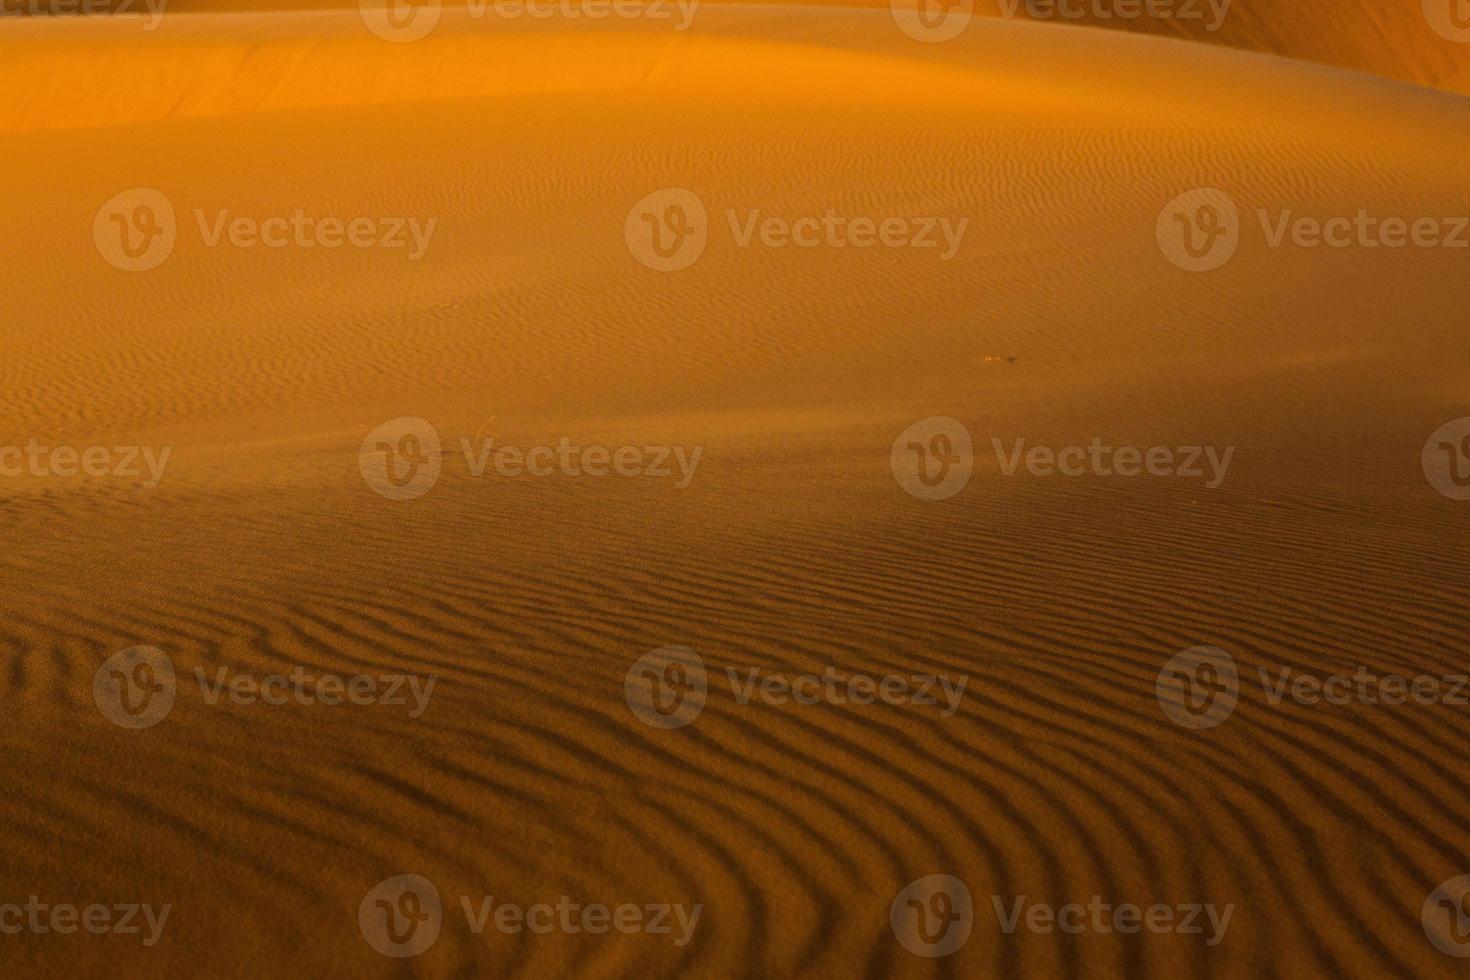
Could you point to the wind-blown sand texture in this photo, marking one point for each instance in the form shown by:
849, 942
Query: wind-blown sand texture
792, 549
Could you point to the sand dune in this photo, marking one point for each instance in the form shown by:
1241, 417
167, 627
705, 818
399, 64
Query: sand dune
792, 549
1419, 41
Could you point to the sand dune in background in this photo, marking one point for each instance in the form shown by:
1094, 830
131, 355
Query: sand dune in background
792, 549
1422, 41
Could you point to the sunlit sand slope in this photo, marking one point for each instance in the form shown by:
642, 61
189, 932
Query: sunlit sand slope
1422, 41
527, 318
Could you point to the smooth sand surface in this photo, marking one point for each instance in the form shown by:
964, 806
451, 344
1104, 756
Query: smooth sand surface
792, 549
1420, 41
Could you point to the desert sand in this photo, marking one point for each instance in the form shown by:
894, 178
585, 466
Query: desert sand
792, 549
1395, 39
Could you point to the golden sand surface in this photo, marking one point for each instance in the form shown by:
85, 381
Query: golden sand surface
574, 236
